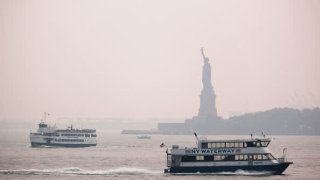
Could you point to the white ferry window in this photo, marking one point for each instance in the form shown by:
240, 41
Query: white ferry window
216, 157
261, 156
229, 145
200, 158
265, 143
264, 157
258, 157
258, 143
219, 157
240, 144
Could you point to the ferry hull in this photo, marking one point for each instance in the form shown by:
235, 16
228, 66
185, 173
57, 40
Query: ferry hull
275, 169
33, 144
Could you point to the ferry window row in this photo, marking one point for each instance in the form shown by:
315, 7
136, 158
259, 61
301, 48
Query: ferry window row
69, 140
51, 134
72, 135
235, 144
239, 157
80, 135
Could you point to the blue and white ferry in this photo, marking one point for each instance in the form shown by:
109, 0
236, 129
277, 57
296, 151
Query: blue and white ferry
47, 135
218, 156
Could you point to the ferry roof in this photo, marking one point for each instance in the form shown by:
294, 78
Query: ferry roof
235, 140
77, 130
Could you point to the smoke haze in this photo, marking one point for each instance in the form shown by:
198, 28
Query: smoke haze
141, 59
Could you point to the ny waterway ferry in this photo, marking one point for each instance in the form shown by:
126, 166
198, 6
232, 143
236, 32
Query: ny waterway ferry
218, 156
51, 136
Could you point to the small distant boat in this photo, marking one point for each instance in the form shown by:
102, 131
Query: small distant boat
51, 136
217, 156
144, 137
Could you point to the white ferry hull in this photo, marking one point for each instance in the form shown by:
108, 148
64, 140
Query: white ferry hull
40, 140
275, 169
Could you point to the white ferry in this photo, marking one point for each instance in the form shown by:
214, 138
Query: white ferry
51, 136
215, 156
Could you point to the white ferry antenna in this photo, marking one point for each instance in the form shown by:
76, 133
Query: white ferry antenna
263, 135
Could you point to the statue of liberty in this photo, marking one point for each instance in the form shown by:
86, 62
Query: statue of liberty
206, 72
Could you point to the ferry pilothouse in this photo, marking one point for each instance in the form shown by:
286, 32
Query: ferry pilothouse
51, 136
215, 156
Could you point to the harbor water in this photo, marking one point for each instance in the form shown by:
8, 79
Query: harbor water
120, 156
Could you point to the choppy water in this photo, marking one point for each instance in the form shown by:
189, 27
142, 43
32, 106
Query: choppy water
126, 157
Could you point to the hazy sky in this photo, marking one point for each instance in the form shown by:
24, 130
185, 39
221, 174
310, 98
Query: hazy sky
141, 58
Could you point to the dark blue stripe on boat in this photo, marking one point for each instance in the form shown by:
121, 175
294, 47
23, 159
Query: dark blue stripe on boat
61, 145
273, 169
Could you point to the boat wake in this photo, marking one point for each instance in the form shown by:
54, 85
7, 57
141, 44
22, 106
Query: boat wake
122, 171
247, 173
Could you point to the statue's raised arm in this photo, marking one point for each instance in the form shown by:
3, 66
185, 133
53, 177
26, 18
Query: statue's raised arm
202, 53
204, 57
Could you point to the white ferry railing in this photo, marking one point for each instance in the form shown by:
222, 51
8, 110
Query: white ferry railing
283, 157
282, 160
